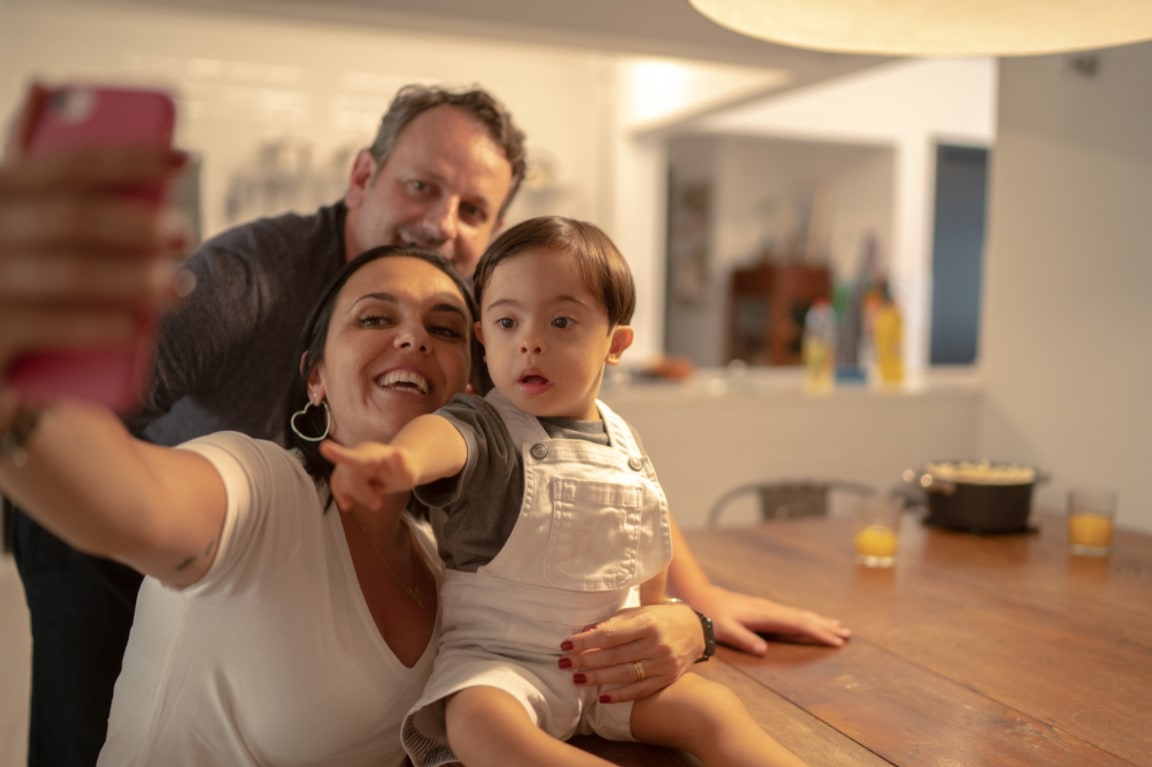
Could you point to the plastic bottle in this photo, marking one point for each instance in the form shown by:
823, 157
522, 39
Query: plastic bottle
888, 329
819, 347
866, 360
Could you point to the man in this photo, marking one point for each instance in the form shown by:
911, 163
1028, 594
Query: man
441, 173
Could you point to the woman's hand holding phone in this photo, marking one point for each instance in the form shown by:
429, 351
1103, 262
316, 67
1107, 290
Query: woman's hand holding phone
87, 254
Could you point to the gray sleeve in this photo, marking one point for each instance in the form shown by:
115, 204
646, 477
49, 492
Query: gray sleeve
473, 513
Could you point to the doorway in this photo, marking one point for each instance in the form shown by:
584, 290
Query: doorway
958, 253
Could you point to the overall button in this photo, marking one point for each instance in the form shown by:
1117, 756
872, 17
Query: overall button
635, 464
538, 451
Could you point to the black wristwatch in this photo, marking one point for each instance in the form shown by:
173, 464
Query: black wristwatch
705, 624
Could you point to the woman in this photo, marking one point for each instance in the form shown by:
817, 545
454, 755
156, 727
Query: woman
269, 630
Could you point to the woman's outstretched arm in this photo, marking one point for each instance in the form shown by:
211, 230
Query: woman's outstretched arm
81, 475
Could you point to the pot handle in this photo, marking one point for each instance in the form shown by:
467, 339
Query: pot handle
928, 482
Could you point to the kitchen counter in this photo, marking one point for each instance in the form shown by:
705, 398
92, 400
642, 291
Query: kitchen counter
715, 430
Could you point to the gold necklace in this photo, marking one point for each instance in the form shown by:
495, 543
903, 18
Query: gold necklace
414, 592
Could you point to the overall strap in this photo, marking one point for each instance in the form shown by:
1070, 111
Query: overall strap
524, 427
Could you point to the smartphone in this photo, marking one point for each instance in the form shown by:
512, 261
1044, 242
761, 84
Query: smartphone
79, 116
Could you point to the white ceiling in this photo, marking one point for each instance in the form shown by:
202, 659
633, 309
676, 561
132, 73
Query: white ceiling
649, 27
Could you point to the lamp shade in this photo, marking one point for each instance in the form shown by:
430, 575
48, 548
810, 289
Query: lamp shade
937, 27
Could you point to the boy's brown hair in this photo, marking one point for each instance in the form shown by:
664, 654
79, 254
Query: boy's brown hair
601, 265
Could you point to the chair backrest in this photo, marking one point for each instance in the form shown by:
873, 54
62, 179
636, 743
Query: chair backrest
788, 498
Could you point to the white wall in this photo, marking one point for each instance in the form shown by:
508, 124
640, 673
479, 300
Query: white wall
244, 80
711, 435
1066, 351
852, 186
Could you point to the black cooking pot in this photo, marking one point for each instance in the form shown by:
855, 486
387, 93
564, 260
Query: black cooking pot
979, 497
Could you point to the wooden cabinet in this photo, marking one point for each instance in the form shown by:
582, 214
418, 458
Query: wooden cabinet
766, 308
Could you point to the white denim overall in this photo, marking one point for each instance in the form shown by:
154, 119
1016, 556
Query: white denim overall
593, 524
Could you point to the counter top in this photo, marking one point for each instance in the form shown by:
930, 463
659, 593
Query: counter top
714, 431
625, 385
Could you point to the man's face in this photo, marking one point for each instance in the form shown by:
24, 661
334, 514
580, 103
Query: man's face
441, 187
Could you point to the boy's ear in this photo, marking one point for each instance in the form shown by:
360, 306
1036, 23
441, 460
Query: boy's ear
622, 336
478, 329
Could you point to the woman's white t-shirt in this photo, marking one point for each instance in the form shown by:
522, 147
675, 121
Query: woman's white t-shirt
273, 657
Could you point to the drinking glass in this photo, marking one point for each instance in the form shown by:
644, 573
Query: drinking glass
1091, 512
877, 526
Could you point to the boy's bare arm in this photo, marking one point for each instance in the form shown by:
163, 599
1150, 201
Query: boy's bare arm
81, 475
433, 448
428, 448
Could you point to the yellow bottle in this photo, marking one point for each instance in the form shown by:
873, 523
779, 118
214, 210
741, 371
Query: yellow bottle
888, 330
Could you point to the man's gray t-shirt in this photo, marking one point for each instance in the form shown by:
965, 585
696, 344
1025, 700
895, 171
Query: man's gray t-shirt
225, 358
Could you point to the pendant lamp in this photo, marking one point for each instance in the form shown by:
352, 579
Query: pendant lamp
937, 27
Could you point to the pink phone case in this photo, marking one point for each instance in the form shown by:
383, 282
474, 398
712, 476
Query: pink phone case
82, 116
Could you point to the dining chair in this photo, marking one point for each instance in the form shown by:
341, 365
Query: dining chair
789, 498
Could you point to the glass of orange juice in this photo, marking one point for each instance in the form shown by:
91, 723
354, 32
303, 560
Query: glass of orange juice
1091, 512
877, 525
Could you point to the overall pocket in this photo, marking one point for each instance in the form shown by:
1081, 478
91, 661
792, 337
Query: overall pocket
595, 533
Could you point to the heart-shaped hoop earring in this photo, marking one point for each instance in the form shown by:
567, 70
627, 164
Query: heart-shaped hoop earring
304, 411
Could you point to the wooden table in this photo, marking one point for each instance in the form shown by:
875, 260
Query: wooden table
990, 651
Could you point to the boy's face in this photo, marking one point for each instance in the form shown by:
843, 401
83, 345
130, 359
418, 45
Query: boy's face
546, 337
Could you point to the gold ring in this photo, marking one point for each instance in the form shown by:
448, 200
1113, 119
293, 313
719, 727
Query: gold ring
638, 667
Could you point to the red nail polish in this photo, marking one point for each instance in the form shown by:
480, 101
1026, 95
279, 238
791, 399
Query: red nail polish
605, 698
579, 678
564, 663
566, 645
